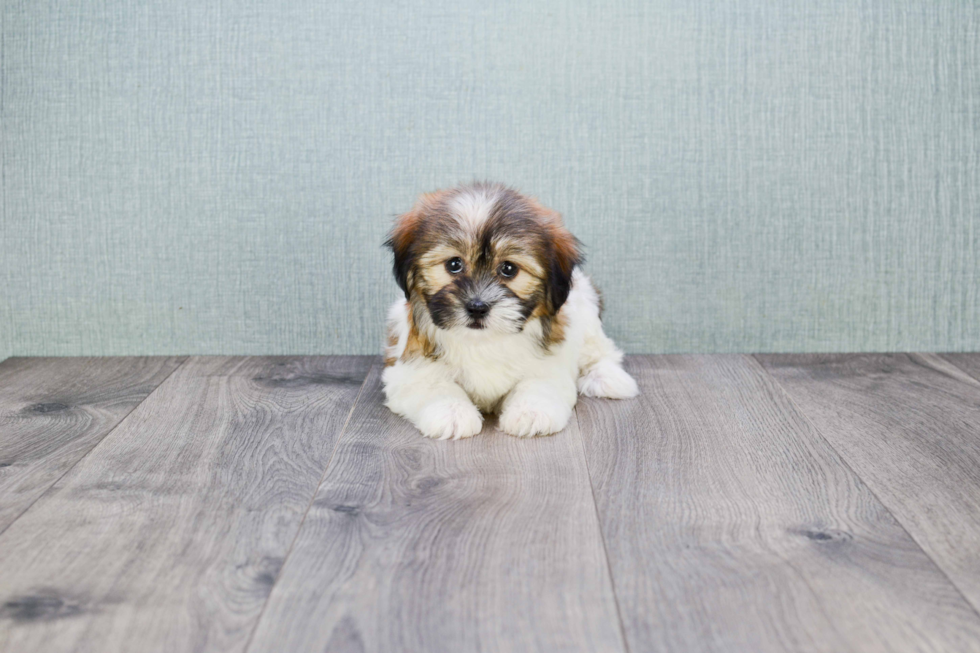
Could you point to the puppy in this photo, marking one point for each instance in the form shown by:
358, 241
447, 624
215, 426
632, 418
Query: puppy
497, 317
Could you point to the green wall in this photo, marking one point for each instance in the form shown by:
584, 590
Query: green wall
217, 177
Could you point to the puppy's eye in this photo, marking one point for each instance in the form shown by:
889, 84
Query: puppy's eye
454, 265
508, 270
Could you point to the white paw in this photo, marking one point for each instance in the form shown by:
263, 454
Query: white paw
532, 415
609, 380
449, 419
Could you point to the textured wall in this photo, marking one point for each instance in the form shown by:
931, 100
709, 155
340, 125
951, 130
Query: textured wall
184, 176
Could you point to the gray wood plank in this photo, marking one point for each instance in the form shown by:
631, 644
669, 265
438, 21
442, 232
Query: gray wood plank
486, 544
969, 363
732, 525
170, 534
909, 425
53, 411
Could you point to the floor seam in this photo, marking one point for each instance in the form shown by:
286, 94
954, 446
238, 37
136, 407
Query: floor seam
952, 362
602, 535
309, 506
884, 505
94, 446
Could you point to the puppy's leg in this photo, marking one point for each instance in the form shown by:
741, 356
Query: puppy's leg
539, 405
424, 393
601, 372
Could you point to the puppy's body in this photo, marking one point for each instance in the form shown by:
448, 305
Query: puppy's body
496, 318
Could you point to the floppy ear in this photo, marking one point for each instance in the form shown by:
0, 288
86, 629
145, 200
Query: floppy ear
565, 255
401, 243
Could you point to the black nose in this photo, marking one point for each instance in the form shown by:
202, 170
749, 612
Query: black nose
477, 308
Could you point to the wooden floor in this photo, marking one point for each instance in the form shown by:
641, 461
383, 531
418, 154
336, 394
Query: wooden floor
767, 503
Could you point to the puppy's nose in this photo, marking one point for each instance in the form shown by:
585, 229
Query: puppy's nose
477, 308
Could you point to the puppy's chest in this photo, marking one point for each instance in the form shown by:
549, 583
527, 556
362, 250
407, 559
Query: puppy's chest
489, 373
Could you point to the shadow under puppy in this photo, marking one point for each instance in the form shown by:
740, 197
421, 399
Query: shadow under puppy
497, 317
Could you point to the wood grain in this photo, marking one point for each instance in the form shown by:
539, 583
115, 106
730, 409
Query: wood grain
909, 424
53, 411
487, 544
731, 525
169, 536
969, 363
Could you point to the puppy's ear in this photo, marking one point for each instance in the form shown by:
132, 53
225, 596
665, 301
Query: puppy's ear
565, 255
401, 242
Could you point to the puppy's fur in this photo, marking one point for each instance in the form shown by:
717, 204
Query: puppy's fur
497, 317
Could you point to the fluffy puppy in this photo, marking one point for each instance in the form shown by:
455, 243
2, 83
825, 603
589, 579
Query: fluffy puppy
497, 317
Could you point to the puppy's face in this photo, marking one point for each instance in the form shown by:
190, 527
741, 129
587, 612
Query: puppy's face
483, 258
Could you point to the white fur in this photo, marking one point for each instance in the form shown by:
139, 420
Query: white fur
533, 391
472, 206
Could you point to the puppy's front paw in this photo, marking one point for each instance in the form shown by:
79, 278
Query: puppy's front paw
609, 380
450, 419
528, 416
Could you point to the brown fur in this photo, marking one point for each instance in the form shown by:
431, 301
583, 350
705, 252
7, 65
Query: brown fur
418, 345
392, 342
552, 327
